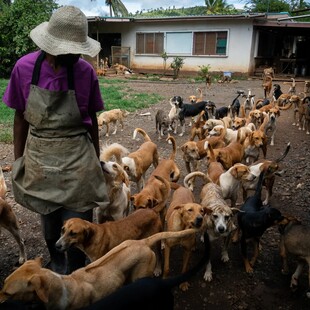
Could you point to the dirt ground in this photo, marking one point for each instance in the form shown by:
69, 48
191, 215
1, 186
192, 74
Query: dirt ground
231, 287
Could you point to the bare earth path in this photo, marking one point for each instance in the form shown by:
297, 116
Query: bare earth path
231, 287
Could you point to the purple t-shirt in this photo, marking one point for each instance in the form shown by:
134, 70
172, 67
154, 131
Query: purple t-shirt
86, 85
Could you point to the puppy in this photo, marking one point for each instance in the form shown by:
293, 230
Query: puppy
182, 213
194, 98
219, 221
9, 221
271, 170
295, 240
137, 163
161, 123
121, 69
127, 262
154, 293
118, 187
112, 116
253, 221
95, 240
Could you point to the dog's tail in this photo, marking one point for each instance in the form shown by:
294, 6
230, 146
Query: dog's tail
115, 149
287, 106
288, 146
152, 240
174, 147
200, 93
143, 133
190, 178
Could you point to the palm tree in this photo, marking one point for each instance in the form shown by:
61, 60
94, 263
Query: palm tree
117, 7
218, 6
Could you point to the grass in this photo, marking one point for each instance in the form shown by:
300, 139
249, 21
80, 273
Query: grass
115, 92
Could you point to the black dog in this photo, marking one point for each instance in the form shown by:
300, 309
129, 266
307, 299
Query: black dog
190, 110
253, 221
277, 92
235, 105
150, 293
221, 112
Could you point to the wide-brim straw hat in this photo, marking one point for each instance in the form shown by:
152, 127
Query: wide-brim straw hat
65, 33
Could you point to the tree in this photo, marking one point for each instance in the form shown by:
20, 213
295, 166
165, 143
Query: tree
218, 6
16, 22
117, 7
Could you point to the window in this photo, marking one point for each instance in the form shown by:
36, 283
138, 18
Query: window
179, 43
210, 43
150, 43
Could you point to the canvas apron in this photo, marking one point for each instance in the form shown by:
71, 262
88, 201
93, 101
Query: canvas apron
60, 167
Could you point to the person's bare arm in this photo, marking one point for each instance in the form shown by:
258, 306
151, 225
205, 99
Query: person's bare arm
94, 132
20, 133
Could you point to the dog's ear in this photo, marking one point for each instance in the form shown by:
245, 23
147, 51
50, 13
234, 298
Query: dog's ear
234, 172
235, 210
208, 210
152, 202
88, 233
184, 147
40, 287
126, 168
39, 260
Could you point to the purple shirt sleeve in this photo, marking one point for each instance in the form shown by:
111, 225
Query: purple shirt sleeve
86, 84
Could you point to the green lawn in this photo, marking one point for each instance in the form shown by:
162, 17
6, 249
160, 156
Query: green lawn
115, 93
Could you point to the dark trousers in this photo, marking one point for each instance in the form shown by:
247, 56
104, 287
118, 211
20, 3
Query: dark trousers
63, 263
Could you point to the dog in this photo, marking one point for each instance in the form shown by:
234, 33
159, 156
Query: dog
162, 123
9, 221
121, 69
304, 115
268, 72
95, 240
256, 117
295, 240
197, 128
195, 150
194, 98
113, 151
221, 112
271, 125
118, 187
154, 293
112, 116
155, 195
307, 87
277, 92
235, 105
182, 213
249, 102
267, 85
271, 170
173, 115
137, 162
253, 221
101, 72
219, 219
190, 110
127, 262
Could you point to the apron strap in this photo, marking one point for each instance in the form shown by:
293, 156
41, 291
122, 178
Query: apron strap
37, 69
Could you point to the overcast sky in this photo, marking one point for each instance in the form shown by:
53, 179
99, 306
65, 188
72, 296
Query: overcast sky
98, 7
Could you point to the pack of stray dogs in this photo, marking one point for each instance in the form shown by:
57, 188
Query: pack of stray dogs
129, 247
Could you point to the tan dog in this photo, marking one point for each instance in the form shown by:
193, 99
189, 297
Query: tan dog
137, 163
256, 117
295, 241
219, 221
9, 221
197, 128
267, 86
112, 117
271, 126
183, 213
121, 69
131, 260
101, 72
268, 72
155, 194
193, 98
195, 150
95, 240
118, 187
304, 115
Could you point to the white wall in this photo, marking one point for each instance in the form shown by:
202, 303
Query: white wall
239, 45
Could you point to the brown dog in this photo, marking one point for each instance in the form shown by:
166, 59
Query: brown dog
295, 240
112, 117
155, 194
9, 221
183, 213
95, 240
121, 69
137, 163
197, 128
131, 260
267, 86
219, 221
194, 98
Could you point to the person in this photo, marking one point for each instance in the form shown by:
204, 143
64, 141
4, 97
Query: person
55, 94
